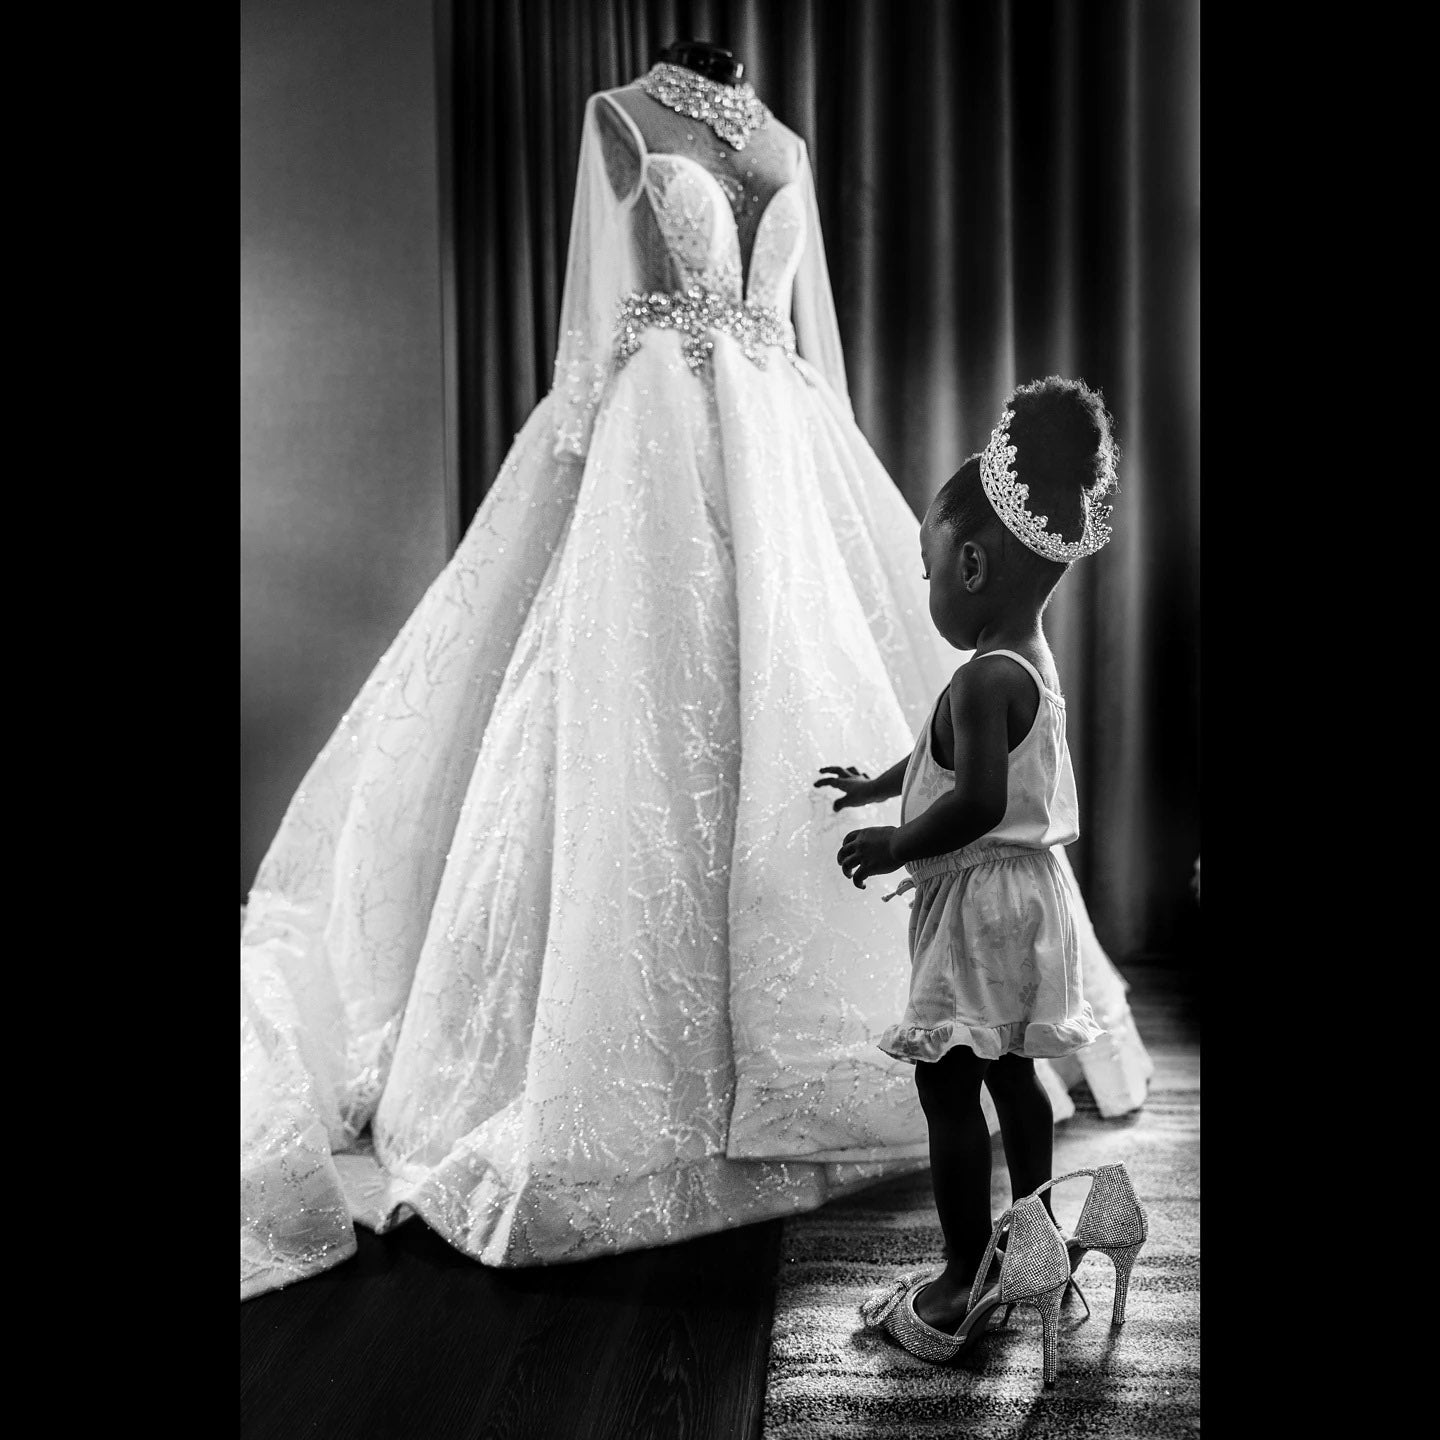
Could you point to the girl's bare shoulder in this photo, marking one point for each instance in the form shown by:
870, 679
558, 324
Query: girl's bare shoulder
997, 679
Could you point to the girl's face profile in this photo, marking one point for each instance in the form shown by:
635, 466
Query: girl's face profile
952, 606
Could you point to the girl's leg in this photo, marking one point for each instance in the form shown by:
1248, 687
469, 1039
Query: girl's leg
1027, 1124
960, 1177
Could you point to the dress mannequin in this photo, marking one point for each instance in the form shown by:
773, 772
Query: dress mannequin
714, 62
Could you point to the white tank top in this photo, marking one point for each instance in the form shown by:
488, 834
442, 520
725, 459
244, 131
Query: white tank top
1040, 804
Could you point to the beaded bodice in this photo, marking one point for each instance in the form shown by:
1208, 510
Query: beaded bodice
676, 229
702, 244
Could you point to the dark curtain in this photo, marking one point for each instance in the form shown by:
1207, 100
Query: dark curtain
1007, 190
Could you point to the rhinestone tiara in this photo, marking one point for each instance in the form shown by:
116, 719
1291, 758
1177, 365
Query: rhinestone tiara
1008, 496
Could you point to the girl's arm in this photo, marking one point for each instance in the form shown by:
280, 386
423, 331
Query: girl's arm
979, 701
858, 789
979, 704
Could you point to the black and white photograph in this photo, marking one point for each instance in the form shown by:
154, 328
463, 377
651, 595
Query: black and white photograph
720, 719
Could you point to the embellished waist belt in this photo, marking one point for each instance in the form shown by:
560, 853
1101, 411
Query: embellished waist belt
696, 313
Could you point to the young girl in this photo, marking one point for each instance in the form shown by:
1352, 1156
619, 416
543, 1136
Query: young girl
987, 796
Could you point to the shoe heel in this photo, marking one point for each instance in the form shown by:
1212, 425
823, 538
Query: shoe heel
1048, 1305
1124, 1260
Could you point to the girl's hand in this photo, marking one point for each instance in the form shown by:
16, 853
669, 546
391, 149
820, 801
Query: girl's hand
854, 787
867, 852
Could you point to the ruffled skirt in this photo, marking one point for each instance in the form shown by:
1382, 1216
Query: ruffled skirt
994, 960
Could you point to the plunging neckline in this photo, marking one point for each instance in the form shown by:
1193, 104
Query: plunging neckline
744, 261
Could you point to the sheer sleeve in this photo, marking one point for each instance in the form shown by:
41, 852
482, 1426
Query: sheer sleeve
817, 334
598, 273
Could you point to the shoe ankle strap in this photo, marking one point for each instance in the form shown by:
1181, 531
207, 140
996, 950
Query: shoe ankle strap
977, 1286
1061, 1179
1112, 1209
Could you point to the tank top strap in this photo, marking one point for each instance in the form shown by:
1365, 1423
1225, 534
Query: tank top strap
1034, 673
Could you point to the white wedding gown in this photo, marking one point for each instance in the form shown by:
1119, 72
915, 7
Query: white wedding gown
551, 948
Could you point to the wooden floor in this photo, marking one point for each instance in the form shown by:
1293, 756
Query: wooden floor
411, 1339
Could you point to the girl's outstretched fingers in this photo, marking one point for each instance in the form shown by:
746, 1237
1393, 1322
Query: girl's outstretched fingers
845, 778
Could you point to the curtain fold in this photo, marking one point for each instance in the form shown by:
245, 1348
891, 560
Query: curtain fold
1008, 189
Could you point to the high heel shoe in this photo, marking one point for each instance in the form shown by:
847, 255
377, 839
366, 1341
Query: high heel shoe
1112, 1221
1034, 1270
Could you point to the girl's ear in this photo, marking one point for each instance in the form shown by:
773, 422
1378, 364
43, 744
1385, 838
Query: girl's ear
974, 566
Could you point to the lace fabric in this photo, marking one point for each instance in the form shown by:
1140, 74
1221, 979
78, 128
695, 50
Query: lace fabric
551, 948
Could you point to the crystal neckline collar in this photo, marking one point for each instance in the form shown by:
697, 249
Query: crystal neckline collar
733, 112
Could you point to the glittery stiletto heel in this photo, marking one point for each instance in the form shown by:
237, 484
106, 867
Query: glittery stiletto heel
1048, 1305
1124, 1261
1113, 1222
1034, 1270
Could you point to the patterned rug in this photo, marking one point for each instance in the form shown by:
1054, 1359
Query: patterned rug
830, 1379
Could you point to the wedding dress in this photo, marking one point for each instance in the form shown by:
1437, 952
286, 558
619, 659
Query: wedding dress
551, 947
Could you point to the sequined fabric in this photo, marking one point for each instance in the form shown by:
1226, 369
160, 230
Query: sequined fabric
1112, 1216
698, 315
733, 112
1035, 1258
1034, 1267
550, 948
919, 1338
